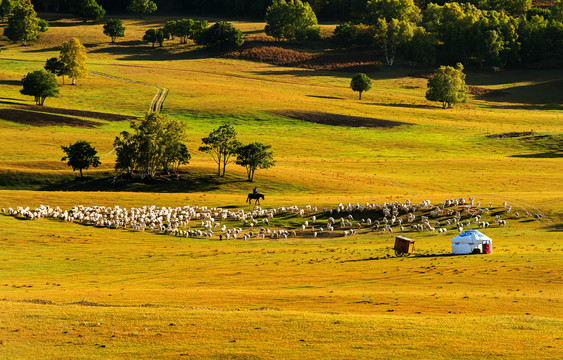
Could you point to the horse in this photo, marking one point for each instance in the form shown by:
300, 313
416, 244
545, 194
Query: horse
256, 197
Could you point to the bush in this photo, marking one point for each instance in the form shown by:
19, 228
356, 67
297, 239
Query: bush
222, 35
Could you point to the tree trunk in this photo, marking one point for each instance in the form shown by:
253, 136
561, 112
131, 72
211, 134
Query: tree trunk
73, 81
81, 173
63, 79
360, 95
219, 168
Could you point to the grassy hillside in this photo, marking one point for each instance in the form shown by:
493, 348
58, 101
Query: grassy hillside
81, 292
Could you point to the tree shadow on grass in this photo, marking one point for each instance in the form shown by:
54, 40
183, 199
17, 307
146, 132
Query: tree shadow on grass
12, 83
139, 51
42, 50
408, 106
555, 228
545, 155
203, 183
326, 97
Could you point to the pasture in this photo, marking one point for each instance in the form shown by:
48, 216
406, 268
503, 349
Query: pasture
72, 291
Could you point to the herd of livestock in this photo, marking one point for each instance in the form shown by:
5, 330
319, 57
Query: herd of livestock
308, 221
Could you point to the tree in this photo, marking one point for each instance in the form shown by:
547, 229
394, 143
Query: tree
421, 48
56, 66
557, 10
81, 155
185, 29
221, 35
221, 144
114, 28
6, 8
88, 10
154, 36
360, 82
156, 144
255, 156
24, 25
291, 20
388, 10
41, 85
73, 56
142, 7
392, 35
448, 86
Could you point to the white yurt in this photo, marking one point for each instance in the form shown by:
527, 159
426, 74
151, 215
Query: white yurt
472, 242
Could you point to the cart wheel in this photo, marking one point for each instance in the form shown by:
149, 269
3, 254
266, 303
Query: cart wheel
399, 252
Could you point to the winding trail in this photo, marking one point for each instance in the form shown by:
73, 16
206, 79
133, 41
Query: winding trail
158, 99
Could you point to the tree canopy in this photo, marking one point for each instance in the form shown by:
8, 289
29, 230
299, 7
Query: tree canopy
73, 56
24, 25
221, 144
40, 84
81, 155
360, 82
254, 156
154, 36
56, 66
142, 7
157, 143
221, 35
87, 10
114, 28
448, 86
291, 20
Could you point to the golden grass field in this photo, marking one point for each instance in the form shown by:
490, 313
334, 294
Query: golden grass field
71, 291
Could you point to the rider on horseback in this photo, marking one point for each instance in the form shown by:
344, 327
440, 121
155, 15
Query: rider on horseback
255, 191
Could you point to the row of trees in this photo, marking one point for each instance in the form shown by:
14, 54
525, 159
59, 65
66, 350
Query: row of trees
481, 32
221, 35
157, 144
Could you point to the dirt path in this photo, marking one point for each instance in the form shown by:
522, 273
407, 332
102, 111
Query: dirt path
158, 99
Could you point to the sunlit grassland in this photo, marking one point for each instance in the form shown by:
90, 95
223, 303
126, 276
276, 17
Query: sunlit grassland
300, 298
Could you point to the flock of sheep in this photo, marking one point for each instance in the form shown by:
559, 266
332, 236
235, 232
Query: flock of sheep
224, 224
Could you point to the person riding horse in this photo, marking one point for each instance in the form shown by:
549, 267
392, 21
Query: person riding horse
254, 195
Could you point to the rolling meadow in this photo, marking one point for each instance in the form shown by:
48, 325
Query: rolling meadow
73, 291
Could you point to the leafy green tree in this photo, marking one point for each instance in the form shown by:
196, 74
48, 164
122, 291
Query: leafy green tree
142, 7
186, 29
81, 155
154, 36
114, 28
221, 144
360, 82
255, 156
355, 34
515, 7
156, 144
388, 10
40, 84
6, 8
391, 35
221, 35
448, 86
557, 11
170, 29
88, 10
291, 20
24, 25
56, 66
421, 48
73, 56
